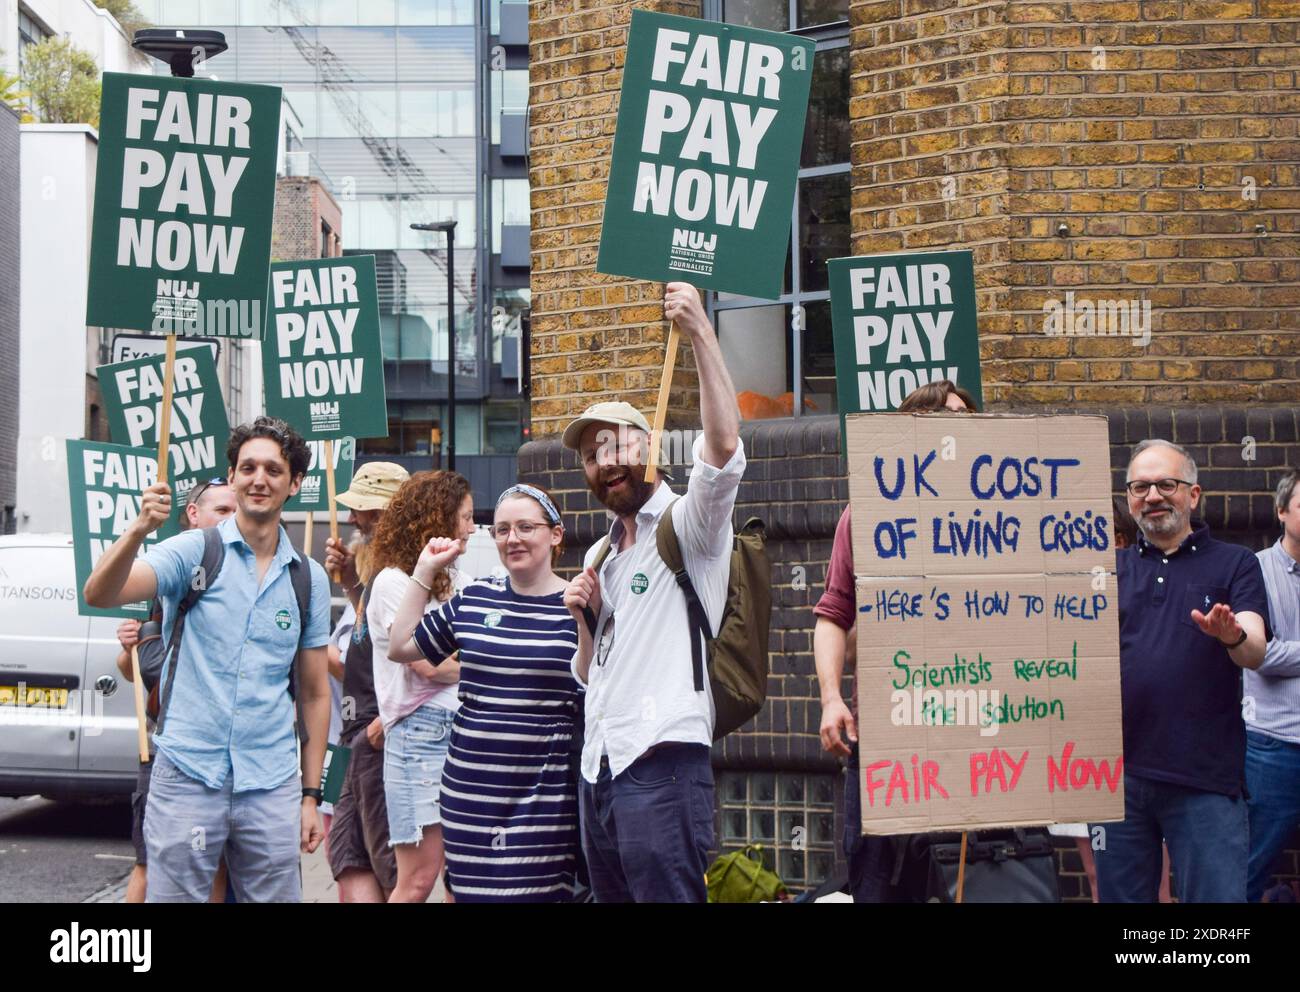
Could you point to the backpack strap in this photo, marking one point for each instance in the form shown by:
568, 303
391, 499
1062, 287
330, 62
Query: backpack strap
588, 613
300, 576
671, 553
214, 555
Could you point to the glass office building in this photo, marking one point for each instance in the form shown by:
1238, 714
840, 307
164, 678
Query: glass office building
410, 111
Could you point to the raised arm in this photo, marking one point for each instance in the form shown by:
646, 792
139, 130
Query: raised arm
719, 414
437, 555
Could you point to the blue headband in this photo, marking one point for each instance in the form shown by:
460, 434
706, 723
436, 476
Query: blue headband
537, 494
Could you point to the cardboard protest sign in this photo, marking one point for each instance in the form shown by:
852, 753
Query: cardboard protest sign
313, 496
899, 322
199, 426
129, 346
988, 640
322, 361
105, 482
706, 153
184, 198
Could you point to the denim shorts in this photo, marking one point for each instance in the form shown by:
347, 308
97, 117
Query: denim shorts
415, 750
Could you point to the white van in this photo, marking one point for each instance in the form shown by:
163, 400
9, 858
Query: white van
67, 717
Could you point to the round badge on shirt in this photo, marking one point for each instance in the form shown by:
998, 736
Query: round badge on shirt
282, 620
493, 619
640, 583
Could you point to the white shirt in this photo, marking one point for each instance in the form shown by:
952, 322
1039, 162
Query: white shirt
399, 689
643, 693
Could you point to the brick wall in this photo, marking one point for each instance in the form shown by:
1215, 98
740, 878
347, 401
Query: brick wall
9, 336
1142, 127
593, 336
301, 204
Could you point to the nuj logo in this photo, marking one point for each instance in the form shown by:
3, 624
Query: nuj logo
178, 288
696, 240
325, 409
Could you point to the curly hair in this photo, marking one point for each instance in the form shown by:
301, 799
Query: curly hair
292, 446
426, 506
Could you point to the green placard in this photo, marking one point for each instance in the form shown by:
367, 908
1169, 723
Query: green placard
901, 321
312, 494
184, 198
710, 127
199, 428
105, 482
334, 771
322, 360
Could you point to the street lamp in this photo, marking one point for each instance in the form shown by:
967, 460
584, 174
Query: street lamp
180, 49
450, 227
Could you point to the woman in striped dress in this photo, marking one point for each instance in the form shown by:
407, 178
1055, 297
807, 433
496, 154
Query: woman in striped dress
509, 794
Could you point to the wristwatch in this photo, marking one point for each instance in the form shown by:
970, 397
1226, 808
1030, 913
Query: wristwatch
1237, 643
316, 794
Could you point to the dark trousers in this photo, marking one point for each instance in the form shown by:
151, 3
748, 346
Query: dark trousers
871, 859
647, 834
1273, 779
1207, 837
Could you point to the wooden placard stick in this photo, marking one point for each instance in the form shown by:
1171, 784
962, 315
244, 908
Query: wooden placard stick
329, 488
661, 408
164, 437
141, 725
165, 418
961, 867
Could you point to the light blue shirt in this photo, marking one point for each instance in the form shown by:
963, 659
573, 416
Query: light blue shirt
1272, 691
229, 709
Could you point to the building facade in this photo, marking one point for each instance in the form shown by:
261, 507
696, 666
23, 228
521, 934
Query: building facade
1119, 151
410, 112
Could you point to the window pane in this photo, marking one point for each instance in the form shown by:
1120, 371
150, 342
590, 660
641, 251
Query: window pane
435, 12
826, 134
179, 13
823, 227
508, 307
755, 343
822, 11
818, 359
773, 15
220, 12
442, 112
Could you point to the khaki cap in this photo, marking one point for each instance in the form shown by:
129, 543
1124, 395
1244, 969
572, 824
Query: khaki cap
373, 485
604, 413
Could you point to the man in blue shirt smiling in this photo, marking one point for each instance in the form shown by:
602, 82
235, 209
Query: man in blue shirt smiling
226, 775
1193, 614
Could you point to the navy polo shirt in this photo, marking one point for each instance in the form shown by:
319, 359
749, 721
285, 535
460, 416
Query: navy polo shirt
1181, 692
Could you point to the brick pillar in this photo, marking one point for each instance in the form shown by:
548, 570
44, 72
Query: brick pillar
1160, 134
594, 337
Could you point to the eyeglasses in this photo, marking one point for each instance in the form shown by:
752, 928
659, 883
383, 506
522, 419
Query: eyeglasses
524, 528
1165, 487
203, 487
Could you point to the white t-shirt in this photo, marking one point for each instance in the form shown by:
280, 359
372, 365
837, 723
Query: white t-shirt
399, 689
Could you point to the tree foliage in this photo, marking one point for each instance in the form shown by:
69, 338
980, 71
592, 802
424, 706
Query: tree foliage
126, 14
63, 81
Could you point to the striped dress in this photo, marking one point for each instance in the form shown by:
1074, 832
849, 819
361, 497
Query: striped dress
509, 789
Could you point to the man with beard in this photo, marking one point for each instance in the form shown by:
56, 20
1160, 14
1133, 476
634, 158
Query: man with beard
1193, 614
646, 794
361, 860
